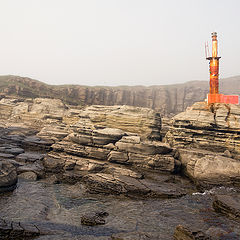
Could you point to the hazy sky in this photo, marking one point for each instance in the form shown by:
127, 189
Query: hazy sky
117, 42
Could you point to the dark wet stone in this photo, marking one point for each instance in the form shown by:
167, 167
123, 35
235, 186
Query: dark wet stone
183, 233
15, 163
11, 150
37, 168
136, 236
228, 205
34, 142
216, 232
93, 219
15, 138
29, 157
8, 176
54, 165
17, 231
71, 177
52, 179
6, 155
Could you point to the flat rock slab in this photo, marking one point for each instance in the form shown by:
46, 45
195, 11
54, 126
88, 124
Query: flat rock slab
126, 185
29, 157
11, 150
164, 190
228, 205
145, 147
6, 155
38, 143
136, 236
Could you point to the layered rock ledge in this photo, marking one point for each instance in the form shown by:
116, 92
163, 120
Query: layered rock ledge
213, 127
110, 149
208, 142
113, 160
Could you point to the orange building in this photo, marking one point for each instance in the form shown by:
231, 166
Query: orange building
214, 96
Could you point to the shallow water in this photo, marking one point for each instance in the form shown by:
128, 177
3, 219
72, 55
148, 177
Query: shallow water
58, 209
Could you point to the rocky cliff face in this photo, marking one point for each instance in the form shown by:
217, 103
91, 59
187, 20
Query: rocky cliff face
168, 99
208, 141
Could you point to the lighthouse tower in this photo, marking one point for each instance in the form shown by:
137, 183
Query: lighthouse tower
214, 96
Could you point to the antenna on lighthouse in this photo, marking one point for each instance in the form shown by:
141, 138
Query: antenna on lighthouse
206, 50
207, 54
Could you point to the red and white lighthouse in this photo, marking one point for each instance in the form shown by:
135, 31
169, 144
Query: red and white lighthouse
214, 96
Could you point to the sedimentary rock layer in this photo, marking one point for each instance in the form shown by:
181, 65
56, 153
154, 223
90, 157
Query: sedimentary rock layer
213, 127
208, 142
168, 99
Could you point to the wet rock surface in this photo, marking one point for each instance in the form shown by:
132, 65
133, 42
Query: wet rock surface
228, 205
183, 233
57, 211
18, 230
71, 162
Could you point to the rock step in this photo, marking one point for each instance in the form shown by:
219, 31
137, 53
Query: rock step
17, 230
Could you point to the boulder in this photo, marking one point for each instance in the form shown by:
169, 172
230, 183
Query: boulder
53, 164
93, 219
6, 156
209, 168
8, 176
94, 136
28, 176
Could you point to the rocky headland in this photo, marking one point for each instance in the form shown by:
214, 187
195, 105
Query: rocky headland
167, 99
119, 156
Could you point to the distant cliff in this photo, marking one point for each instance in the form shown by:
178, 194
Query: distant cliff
168, 99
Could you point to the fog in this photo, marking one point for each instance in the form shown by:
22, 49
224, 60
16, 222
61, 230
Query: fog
117, 42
